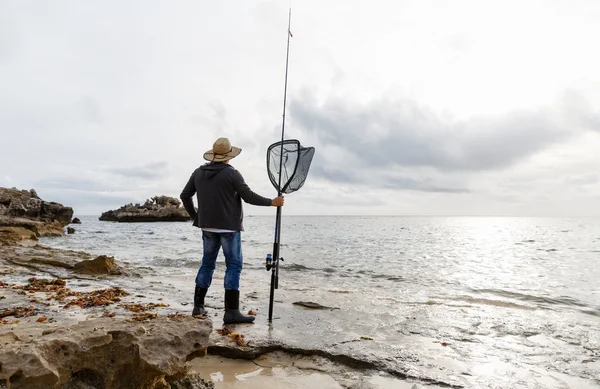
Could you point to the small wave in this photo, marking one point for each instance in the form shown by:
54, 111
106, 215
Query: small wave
480, 301
387, 277
395, 278
302, 268
175, 262
591, 311
297, 267
496, 303
365, 272
428, 302
561, 300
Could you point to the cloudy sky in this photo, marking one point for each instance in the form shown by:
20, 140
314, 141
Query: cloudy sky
414, 107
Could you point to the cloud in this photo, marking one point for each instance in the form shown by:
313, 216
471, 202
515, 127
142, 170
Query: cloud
71, 183
152, 170
385, 179
90, 110
88, 202
106, 179
387, 132
89, 99
98, 188
583, 179
425, 185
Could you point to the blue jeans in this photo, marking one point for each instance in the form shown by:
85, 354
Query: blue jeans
232, 249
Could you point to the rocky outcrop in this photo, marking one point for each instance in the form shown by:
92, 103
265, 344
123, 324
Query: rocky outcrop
103, 353
157, 209
60, 333
27, 204
22, 209
75, 221
101, 265
12, 235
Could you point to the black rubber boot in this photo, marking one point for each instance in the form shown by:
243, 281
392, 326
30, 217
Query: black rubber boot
232, 309
199, 295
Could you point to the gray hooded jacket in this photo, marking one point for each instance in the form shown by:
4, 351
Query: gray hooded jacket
219, 189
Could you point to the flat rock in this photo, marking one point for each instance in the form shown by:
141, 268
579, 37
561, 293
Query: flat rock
103, 353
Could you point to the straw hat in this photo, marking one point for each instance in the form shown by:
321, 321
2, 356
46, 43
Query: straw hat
222, 151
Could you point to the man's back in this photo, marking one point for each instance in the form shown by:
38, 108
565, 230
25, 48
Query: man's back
219, 189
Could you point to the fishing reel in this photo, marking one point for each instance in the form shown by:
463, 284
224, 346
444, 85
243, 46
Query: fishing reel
270, 262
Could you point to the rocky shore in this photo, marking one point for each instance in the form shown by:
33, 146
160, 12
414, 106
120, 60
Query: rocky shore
156, 209
62, 327
71, 320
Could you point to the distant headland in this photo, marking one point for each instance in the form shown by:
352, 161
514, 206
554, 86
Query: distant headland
156, 209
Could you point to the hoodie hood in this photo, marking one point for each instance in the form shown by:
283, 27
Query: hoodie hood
212, 169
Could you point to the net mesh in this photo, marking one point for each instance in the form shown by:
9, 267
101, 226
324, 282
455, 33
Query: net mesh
292, 160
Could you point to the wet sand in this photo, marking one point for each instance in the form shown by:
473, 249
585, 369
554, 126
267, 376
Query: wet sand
282, 371
239, 374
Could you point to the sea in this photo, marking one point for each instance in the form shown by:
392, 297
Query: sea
481, 302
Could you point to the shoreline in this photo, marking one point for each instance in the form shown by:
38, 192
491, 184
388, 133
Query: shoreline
147, 316
385, 332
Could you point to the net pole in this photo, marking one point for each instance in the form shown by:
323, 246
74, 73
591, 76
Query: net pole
275, 269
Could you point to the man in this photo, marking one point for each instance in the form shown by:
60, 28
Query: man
219, 189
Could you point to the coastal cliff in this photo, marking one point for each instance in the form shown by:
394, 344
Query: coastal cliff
156, 209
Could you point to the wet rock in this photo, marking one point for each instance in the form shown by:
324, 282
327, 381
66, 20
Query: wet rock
311, 305
22, 259
75, 221
104, 353
157, 209
102, 265
192, 381
12, 235
39, 227
70, 230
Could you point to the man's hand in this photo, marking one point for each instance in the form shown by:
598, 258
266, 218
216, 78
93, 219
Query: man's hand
277, 201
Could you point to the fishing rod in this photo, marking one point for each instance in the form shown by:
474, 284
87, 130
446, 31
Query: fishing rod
276, 243
290, 157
